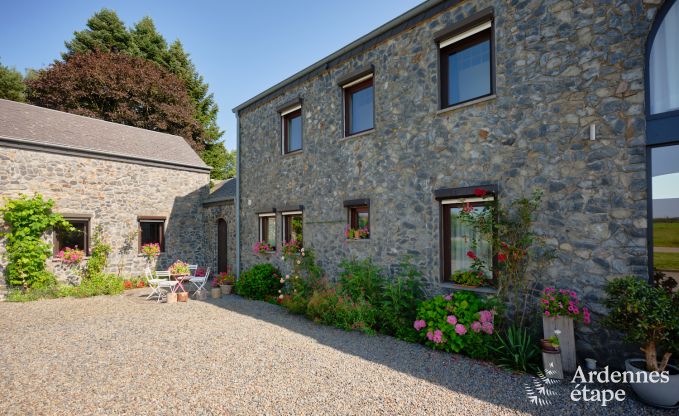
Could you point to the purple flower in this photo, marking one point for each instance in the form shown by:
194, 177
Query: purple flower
476, 326
460, 329
485, 316
448, 297
452, 319
487, 327
419, 324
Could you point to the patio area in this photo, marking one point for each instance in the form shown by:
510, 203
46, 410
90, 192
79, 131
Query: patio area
123, 354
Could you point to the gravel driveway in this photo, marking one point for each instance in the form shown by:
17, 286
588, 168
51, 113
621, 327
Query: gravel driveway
122, 354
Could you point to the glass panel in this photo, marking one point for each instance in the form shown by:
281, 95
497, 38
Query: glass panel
469, 73
362, 110
665, 192
73, 239
271, 231
363, 219
296, 228
460, 243
294, 133
664, 64
150, 232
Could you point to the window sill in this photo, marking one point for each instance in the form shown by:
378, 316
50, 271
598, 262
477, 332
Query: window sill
357, 239
358, 135
295, 153
467, 104
456, 287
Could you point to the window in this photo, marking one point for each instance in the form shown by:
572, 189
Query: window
78, 238
664, 63
358, 226
267, 229
152, 230
665, 196
292, 226
456, 235
358, 105
467, 64
292, 130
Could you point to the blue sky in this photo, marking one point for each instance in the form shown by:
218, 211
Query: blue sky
241, 48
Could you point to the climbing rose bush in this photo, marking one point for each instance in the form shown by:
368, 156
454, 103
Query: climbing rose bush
563, 302
457, 323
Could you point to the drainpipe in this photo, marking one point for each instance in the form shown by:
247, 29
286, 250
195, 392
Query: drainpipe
237, 194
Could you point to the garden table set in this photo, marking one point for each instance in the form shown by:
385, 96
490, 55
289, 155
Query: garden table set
161, 280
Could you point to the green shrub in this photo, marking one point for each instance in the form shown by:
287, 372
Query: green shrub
27, 219
517, 350
101, 284
362, 279
400, 300
259, 282
332, 308
456, 323
99, 256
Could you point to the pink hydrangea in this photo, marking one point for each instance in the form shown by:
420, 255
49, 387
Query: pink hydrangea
419, 324
476, 326
452, 319
430, 335
485, 316
460, 329
448, 297
438, 336
487, 327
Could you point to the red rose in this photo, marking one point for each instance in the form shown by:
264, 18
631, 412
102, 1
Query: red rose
467, 207
471, 255
502, 257
480, 192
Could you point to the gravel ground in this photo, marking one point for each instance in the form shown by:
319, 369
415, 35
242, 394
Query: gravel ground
124, 355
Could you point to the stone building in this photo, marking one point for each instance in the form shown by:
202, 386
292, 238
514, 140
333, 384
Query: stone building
393, 130
136, 185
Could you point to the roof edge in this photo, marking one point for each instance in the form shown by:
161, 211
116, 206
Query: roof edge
27, 144
395, 22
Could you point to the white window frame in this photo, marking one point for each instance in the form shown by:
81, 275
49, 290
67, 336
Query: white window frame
460, 36
261, 230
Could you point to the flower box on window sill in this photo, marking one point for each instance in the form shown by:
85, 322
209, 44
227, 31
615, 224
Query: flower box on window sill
480, 289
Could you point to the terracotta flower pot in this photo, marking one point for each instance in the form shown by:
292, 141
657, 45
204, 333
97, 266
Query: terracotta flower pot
226, 289
548, 347
171, 297
182, 296
216, 293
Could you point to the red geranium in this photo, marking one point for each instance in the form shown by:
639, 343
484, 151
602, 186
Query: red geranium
480, 192
471, 255
502, 257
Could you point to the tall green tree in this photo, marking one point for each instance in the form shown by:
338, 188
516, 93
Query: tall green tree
12, 86
105, 32
222, 159
149, 43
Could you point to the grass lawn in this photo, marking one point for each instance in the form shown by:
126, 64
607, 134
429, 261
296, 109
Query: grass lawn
665, 234
666, 261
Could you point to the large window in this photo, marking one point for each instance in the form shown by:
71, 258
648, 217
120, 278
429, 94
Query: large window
467, 64
358, 105
292, 130
665, 191
664, 63
267, 229
79, 238
293, 226
458, 254
152, 230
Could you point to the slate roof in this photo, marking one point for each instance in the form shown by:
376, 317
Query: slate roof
29, 126
223, 191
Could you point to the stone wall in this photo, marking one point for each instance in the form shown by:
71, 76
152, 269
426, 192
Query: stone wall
561, 66
213, 213
114, 194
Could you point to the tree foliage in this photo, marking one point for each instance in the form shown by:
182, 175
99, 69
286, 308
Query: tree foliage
222, 159
105, 32
119, 88
12, 86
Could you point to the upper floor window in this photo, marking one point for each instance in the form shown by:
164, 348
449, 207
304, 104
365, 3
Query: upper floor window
664, 64
152, 231
267, 229
359, 105
79, 238
467, 63
292, 129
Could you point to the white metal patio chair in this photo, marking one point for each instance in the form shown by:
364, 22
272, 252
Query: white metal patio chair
200, 281
159, 282
192, 270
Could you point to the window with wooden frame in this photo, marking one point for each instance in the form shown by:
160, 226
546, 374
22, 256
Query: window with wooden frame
457, 253
292, 129
79, 238
152, 231
467, 61
358, 219
359, 105
267, 229
292, 226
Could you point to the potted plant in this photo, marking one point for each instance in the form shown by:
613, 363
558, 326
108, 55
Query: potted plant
468, 278
179, 268
215, 291
550, 345
560, 309
647, 315
262, 247
226, 282
150, 251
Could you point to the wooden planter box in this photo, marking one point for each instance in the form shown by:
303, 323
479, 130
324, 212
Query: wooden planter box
566, 339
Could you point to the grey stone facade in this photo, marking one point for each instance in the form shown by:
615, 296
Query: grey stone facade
561, 66
212, 214
114, 194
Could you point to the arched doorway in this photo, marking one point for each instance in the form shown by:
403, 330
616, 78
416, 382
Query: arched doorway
662, 139
222, 263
